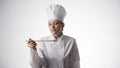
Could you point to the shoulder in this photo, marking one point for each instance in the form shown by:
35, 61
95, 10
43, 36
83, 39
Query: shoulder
66, 37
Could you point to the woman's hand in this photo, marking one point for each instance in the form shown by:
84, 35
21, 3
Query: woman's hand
32, 44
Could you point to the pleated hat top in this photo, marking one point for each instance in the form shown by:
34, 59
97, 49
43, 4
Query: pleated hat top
56, 11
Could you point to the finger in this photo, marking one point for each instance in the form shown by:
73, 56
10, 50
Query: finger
30, 40
32, 43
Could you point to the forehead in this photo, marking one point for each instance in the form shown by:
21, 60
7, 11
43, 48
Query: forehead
54, 21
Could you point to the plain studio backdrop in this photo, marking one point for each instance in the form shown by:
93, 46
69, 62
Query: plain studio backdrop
94, 23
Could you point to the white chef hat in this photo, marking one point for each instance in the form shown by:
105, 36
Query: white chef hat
56, 11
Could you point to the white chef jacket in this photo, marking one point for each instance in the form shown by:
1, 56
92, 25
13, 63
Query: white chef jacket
60, 54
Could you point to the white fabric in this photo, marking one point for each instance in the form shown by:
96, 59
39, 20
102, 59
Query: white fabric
60, 54
56, 11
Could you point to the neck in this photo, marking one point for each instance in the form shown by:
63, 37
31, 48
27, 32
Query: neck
57, 36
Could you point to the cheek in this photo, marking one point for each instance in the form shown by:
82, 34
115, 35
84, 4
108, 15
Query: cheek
58, 28
49, 27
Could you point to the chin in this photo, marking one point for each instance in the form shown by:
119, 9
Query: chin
54, 34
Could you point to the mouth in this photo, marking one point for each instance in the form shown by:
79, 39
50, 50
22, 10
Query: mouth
53, 30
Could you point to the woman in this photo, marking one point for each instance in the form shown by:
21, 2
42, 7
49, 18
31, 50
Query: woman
63, 53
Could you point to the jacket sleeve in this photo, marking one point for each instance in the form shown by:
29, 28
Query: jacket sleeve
37, 59
74, 56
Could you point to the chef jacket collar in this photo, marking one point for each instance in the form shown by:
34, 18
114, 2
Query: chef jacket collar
59, 38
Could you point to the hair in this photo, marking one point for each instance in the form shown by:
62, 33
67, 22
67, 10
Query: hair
61, 23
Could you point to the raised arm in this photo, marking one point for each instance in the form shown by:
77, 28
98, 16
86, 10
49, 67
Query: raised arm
34, 58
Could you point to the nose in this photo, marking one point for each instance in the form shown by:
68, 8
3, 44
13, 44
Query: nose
53, 26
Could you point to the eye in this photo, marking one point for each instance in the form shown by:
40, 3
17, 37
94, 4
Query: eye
56, 23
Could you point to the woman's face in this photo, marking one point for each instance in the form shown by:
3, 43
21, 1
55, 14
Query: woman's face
55, 27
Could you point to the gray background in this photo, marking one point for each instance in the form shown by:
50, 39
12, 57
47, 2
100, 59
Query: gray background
94, 23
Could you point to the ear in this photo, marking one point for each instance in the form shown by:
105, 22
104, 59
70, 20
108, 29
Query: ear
63, 25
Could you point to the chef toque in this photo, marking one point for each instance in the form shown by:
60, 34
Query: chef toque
56, 11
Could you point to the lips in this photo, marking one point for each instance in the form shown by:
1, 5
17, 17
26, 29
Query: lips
53, 30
